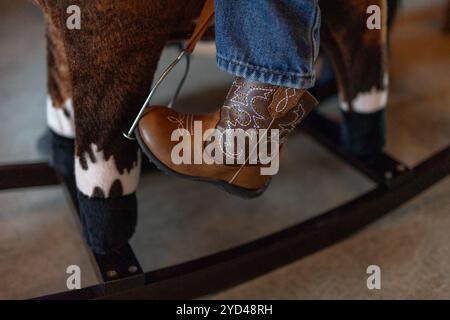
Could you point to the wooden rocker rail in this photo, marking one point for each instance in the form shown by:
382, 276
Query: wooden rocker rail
396, 184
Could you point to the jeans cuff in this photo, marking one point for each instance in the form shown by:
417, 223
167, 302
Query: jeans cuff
264, 75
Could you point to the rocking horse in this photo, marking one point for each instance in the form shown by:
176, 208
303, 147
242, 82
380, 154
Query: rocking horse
98, 78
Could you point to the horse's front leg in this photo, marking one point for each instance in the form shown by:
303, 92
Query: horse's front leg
111, 59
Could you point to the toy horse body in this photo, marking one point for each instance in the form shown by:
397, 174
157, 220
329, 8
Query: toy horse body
99, 75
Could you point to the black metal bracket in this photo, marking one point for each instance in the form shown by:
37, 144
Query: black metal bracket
380, 168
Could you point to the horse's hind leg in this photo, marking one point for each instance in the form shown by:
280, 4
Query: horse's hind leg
60, 113
360, 61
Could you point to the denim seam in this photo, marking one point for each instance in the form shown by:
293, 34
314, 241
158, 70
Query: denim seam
263, 69
315, 25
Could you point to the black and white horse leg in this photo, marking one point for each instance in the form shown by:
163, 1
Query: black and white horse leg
360, 61
60, 114
111, 58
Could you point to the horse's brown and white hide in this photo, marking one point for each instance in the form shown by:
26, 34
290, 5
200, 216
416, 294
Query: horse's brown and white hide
98, 78
359, 54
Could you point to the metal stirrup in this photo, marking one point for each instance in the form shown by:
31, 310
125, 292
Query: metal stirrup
205, 18
183, 53
187, 58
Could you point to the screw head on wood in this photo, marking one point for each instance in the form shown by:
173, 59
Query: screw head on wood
111, 273
132, 269
388, 175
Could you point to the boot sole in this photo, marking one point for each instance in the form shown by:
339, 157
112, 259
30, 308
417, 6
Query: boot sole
231, 189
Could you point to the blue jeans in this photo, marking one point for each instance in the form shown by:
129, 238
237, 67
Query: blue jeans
268, 41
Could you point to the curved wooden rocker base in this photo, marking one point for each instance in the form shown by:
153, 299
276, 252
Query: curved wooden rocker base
396, 184
234, 266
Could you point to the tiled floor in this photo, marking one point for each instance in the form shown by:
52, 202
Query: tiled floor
39, 239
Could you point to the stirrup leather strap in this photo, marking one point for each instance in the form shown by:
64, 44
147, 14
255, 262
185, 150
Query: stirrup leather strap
203, 23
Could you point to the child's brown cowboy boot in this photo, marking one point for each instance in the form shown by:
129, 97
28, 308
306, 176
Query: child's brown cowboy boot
259, 112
